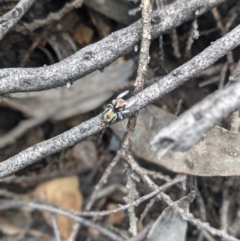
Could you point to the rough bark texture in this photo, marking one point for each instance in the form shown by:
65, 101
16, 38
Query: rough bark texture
177, 77
97, 56
8, 20
190, 127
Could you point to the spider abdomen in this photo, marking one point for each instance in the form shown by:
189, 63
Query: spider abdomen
109, 115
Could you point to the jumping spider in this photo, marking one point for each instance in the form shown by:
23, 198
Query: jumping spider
117, 109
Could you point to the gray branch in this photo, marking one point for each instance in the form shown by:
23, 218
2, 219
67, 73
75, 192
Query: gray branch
190, 127
101, 54
9, 19
177, 77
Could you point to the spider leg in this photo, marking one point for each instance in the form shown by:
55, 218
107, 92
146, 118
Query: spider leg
120, 115
122, 94
104, 112
124, 112
131, 103
114, 102
110, 106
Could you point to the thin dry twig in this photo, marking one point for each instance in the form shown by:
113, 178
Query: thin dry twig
54, 17
186, 216
138, 86
193, 35
132, 194
166, 84
57, 210
9, 19
235, 120
141, 236
55, 227
102, 181
146, 210
175, 44
101, 54
223, 30
142, 69
177, 179
165, 186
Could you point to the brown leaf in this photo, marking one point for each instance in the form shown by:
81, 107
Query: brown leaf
216, 155
114, 218
83, 34
63, 192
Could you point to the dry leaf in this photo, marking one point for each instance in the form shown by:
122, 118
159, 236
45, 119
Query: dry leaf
170, 226
83, 34
114, 218
63, 192
216, 155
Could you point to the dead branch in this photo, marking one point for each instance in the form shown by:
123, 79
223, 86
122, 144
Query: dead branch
171, 81
53, 17
176, 180
99, 55
9, 19
190, 127
55, 227
186, 216
141, 76
138, 86
138, 201
57, 210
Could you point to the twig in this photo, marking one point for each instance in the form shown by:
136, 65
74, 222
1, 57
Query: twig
101, 54
141, 236
142, 69
9, 19
146, 210
235, 120
191, 126
223, 76
165, 186
118, 232
166, 84
157, 175
186, 216
193, 35
74, 232
55, 227
178, 179
224, 212
101, 182
53, 17
179, 106
132, 194
175, 44
138, 86
59, 211
223, 30
33, 46
24, 231
29, 180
